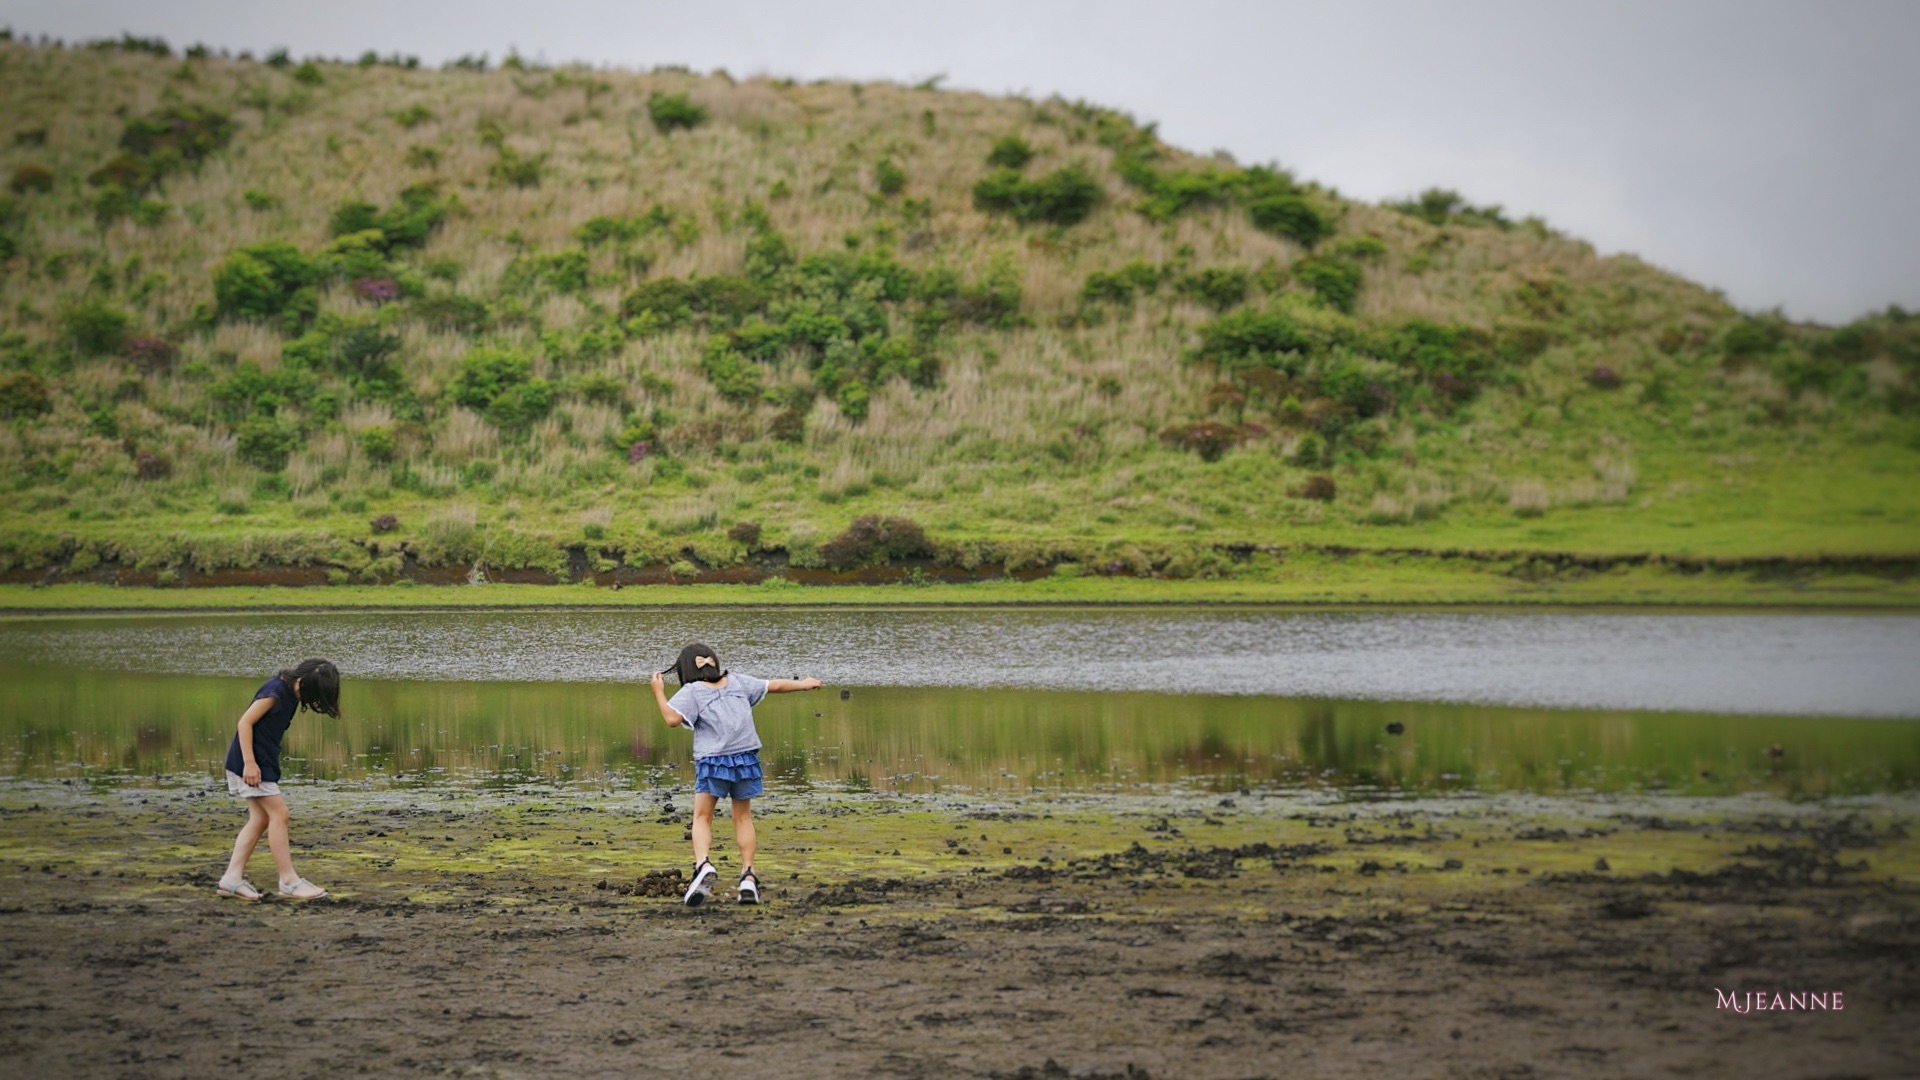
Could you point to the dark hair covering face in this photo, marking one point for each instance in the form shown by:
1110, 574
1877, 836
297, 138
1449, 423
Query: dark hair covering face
698, 663
319, 685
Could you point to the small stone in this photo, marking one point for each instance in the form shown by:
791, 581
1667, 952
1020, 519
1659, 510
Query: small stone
1396, 728
845, 694
1601, 864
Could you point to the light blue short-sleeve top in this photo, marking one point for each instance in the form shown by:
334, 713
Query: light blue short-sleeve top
721, 716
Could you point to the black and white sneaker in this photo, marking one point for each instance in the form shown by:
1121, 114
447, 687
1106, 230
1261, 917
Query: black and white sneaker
702, 886
749, 887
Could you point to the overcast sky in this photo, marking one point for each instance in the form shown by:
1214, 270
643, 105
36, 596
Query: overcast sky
1765, 147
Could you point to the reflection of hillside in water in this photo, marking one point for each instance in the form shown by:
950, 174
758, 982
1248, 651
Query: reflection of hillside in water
71, 723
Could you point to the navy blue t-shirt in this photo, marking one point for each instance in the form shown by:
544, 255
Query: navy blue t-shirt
267, 731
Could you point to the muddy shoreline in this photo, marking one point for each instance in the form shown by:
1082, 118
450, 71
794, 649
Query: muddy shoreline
523, 934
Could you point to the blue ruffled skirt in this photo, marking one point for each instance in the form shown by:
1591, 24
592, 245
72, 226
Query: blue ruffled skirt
728, 776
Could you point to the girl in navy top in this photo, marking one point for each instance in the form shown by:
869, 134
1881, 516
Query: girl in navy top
718, 706
253, 771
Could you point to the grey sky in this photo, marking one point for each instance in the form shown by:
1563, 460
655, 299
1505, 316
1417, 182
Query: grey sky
1768, 148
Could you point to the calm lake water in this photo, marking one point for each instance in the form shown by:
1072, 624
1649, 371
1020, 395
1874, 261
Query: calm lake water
1007, 700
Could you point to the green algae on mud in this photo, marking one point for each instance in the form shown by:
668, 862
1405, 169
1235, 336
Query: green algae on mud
435, 845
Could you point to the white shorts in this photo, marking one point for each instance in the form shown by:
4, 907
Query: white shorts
237, 786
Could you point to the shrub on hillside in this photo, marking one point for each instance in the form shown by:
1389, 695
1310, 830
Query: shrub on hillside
1209, 438
517, 169
871, 540
1254, 338
1359, 247
148, 465
385, 523
376, 290
1218, 287
734, 377
151, 46
1439, 206
1119, 286
674, 112
745, 533
499, 384
452, 312
1291, 216
991, 300
31, 177
1171, 194
164, 142
561, 271
264, 280
23, 396
1063, 197
1319, 487
251, 392
1335, 281
890, 178
150, 355
604, 229
1366, 388
113, 203
96, 326
413, 115
265, 442
1010, 152
1602, 377
1754, 336
379, 444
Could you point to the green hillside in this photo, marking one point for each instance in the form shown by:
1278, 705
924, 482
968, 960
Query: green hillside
376, 320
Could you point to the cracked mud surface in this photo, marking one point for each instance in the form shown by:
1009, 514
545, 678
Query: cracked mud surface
484, 935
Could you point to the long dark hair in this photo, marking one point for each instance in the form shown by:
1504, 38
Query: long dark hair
690, 669
319, 688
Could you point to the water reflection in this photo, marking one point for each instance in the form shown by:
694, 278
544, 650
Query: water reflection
1805, 665
58, 722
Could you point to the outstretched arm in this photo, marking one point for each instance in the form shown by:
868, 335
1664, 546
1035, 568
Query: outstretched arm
782, 686
667, 712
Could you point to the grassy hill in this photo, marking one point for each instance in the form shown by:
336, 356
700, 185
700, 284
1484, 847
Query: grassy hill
370, 320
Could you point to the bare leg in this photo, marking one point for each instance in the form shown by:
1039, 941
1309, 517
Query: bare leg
248, 839
703, 805
743, 834
276, 809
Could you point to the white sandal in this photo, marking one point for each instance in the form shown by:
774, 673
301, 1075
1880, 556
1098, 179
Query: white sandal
292, 891
749, 887
237, 890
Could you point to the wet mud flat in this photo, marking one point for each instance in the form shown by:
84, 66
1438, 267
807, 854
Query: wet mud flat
539, 934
